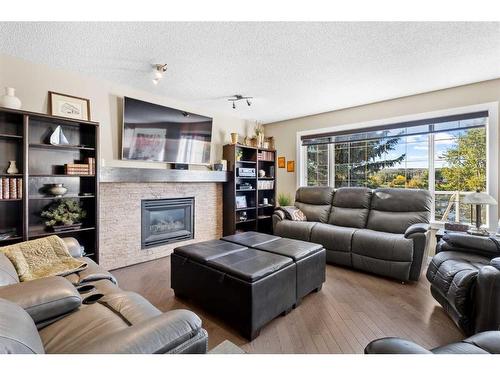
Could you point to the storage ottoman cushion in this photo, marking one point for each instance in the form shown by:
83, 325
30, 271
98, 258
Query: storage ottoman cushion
249, 265
208, 250
250, 239
294, 249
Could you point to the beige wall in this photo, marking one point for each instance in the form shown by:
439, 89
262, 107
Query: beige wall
285, 132
33, 81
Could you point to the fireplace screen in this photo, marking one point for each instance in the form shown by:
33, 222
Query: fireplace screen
166, 221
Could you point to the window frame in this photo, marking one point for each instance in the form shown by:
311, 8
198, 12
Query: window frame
492, 142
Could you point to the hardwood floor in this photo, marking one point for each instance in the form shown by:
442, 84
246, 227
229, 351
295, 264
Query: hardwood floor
352, 309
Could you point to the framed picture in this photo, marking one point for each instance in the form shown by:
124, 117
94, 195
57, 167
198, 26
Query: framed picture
69, 106
241, 201
290, 166
281, 162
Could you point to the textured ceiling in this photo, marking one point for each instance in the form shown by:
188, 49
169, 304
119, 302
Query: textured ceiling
292, 69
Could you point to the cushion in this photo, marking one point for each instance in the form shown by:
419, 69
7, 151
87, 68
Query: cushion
350, 207
292, 213
250, 238
299, 230
89, 325
394, 210
207, 250
314, 202
386, 254
250, 265
333, 237
388, 246
294, 249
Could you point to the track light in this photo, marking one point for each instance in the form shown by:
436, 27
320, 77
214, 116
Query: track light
158, 72
237, 98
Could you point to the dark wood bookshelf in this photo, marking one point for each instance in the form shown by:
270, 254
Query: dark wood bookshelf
24, 138
258, 215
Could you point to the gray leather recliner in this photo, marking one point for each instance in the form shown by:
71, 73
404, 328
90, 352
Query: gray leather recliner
481, 343
465, 279
381, 231
56, 315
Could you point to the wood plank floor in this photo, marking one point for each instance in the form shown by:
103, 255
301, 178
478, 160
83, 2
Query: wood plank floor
352, 309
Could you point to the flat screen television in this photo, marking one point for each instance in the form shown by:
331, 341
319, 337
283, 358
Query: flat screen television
152, 132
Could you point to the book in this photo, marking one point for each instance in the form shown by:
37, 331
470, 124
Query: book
19, 188
5, 188
12, 188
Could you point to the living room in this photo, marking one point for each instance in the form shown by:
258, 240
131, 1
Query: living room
250, 188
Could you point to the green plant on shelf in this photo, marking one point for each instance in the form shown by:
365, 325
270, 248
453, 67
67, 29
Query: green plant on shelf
64, 212
284, 199
239, 155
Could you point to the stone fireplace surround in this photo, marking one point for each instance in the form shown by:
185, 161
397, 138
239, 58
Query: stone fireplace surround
120, 218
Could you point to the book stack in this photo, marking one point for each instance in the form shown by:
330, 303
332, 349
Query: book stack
87, 168
265, 185
77, 169
265, 155
11, 188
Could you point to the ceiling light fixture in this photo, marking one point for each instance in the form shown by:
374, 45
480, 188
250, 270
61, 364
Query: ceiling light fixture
158, 72
237, 98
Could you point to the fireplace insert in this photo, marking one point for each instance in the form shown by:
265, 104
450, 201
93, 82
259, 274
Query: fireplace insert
166, 221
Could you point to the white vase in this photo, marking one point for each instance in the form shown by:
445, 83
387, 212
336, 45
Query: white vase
12, 167
10, 100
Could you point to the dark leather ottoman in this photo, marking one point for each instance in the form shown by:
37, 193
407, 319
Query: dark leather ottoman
310, 258
247, 288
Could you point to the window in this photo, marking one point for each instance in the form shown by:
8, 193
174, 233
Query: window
446, 155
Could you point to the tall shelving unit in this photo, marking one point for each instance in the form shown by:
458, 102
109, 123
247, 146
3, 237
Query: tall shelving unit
23, 138
258, 214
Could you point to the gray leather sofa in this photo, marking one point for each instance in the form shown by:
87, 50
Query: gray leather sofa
465, 279
482, 343
88, 313
381, 231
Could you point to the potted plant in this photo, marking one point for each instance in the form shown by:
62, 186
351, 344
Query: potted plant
64, 214
284, 200
239, 154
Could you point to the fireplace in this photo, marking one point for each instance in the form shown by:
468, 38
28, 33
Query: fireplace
166, 220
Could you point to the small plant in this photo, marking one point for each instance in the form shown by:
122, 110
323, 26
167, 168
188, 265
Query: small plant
239, 154
64, 212
284, 199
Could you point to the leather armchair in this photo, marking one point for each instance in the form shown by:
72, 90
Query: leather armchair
49, 315
465, 279
481, 343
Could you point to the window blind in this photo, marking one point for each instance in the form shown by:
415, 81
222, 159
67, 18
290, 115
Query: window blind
402, 129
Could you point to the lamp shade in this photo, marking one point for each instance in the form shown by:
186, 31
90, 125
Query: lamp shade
479, 198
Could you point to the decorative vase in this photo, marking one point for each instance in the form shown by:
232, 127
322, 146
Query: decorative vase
57, 190
262, 173
234, 138
12, 167
10, 100
260, 139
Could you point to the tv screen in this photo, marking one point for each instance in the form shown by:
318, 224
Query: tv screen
152, 132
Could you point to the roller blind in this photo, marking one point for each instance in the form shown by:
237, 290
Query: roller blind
402, 129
